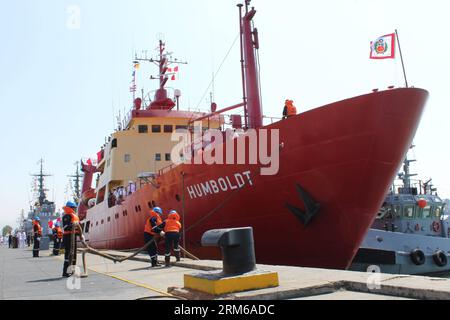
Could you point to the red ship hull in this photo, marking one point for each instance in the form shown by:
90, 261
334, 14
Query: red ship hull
344, 155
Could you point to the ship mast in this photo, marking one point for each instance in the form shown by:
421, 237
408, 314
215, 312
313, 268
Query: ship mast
406, 175
406, 178
251, 86
161, 100
76, 180
40, 178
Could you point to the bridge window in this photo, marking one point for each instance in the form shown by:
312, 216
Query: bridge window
180, 127
396, 211
408, 211
437, 212
158, 157
168, 128
142, 128
114, 143
167, 156
426, 213
156, 128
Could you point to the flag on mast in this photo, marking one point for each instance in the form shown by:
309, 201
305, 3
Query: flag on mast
383, 47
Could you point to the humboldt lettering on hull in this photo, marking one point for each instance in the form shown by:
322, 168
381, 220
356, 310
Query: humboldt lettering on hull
222, 184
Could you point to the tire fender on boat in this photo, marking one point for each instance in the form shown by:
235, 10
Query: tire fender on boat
417, 257
436, 226
440, 258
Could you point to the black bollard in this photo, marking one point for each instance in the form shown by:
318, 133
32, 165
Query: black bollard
238, 252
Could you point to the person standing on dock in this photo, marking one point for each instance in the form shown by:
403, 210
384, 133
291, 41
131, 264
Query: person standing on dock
57, 239
172, 233
70, 220
9, 240
153, 226
37, 234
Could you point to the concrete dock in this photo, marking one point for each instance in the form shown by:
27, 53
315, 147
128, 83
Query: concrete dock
22, 277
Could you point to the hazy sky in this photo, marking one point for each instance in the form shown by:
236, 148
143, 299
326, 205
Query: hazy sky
61, 85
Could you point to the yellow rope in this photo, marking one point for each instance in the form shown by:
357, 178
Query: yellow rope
138, 284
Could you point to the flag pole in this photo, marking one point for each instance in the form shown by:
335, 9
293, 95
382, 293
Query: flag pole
401, 57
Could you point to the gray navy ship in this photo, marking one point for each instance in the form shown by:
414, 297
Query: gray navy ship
411, 234
42, 208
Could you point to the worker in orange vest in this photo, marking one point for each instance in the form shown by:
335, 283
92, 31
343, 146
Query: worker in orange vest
57, 238
289, 109
154, 226
172, 233
70, 219
37, 234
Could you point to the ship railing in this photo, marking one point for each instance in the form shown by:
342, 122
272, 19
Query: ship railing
271, 119
415, 188
166, 169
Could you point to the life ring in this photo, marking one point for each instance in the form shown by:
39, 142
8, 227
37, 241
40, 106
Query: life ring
417, 257
440, 258
436, 226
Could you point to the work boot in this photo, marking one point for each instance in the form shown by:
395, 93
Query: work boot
167, 261
154, 262
177, 255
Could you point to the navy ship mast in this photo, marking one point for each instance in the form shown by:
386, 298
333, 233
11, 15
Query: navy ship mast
41, 189
406, 176
76, 184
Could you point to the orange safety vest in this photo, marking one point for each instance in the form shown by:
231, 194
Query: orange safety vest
39, 229
59, 232
148, 225
172, 223
291, 109
73, 218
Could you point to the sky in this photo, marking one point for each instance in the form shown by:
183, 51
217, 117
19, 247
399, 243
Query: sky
65, 71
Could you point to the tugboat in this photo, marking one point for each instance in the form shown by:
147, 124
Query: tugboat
335, 165
411, 234
42, 208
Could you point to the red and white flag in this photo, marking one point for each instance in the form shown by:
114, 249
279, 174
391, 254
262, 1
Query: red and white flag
51, 223
383, 47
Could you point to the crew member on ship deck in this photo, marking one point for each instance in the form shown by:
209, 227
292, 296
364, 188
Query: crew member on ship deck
153, 226
37, 234
289, 109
